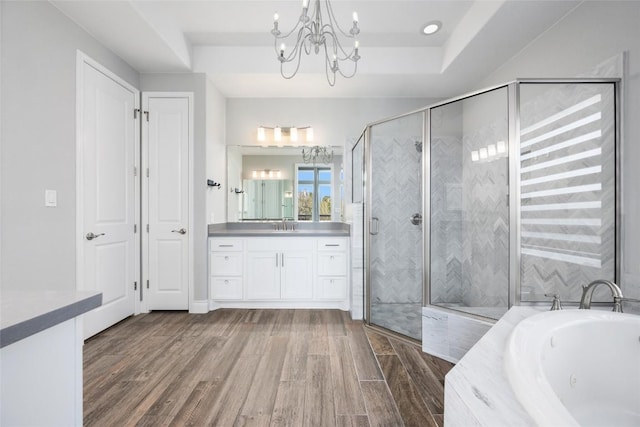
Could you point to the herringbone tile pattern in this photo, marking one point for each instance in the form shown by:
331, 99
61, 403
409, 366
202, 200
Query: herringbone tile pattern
396, 251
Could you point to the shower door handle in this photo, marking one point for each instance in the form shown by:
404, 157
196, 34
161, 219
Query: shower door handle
416, 219
374, 230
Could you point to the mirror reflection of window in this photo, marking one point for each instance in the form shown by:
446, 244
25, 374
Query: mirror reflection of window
314, 190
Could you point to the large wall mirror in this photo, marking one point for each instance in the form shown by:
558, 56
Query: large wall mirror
275, 183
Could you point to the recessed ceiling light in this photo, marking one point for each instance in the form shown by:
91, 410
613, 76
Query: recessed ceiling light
432, 27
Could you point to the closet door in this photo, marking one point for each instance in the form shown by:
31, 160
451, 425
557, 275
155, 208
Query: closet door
107, 143
167, 133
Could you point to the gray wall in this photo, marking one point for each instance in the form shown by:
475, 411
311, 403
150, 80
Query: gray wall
585, 38
38, 142
196, 83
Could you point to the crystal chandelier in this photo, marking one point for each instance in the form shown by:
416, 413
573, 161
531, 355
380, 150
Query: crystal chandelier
315, 34
317, 153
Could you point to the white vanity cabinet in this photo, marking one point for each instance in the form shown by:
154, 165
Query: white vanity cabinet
226, 271
278, 272
279, 268
332, 269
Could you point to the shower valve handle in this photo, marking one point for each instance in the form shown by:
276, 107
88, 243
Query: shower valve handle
374, 221
416, 219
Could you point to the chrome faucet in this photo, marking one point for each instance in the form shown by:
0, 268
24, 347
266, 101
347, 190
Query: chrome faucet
587, 294
284, 224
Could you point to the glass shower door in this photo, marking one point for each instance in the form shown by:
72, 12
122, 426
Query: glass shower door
395, 256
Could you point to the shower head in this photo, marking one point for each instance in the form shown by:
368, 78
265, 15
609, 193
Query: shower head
418, 145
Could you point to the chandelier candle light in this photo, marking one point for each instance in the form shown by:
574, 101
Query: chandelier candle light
313, 33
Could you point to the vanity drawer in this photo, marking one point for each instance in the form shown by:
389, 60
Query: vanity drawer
332, 244
332, 288
226, 245
332, 264
225, 264
226, 288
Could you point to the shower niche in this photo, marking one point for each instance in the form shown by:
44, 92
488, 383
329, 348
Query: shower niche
502, 197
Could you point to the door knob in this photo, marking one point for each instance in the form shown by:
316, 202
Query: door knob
181, 231
91, 236
416, 219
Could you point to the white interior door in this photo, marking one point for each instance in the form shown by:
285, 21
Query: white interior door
107, 142
167, 132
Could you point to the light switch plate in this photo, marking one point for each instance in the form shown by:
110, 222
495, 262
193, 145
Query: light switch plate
51, 198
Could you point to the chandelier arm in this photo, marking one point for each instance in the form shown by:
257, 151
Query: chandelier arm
294, 29
333, 21
348, 76
295, 51
326, 71
294, 72
336, 43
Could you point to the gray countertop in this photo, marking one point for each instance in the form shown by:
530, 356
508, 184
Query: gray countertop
25, 313
268, 229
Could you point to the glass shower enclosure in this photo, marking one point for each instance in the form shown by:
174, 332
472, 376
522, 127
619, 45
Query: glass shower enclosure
501, 197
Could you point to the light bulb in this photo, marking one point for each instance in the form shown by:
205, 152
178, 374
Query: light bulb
474, 156
357, 44
293, 134
309, 134
261, 135
483, 153
254, 174
492, 150
355, 16
501, 146
277, 134
275, 16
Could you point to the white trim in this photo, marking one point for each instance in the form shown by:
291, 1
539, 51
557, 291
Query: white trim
199, 307
81, 60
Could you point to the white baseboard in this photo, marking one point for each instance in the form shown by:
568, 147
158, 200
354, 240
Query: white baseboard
199, 307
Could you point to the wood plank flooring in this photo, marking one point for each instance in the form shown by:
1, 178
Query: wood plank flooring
258, 368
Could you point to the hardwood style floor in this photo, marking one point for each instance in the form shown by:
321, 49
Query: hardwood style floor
258, 368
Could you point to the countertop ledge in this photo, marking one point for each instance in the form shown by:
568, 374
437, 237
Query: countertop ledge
25, 313
266, 229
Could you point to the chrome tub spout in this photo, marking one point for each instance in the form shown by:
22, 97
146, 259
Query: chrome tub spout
587, 294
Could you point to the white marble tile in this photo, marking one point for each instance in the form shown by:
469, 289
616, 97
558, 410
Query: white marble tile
464, 333
479, 382
434, 332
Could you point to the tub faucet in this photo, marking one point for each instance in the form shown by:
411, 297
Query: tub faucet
587, 294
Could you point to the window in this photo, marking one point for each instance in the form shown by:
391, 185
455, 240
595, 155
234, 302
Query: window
314, 190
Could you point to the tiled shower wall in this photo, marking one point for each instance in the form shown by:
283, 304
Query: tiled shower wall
469, 212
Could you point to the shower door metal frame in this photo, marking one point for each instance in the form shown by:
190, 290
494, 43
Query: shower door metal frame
368, 197
515, 279
515, 254
513, 94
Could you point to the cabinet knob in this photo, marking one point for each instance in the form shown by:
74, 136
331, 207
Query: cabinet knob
226, 258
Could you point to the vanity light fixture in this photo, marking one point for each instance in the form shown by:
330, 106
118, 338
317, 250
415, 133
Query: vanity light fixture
317, 31
266, 174
280, 133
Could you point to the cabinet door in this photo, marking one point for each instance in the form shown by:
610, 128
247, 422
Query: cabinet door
263, 275
297, 275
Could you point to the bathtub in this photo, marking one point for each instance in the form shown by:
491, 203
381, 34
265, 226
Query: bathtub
577, 367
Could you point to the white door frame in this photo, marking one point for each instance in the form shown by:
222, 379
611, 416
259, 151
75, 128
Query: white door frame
81, 60
145, 197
